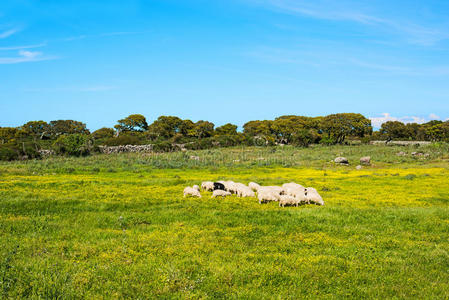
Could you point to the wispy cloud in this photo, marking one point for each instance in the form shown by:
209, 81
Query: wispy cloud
316, 57
22, 47
378, 121
8, 33
93, 88
342, 11
26, 56
85, 36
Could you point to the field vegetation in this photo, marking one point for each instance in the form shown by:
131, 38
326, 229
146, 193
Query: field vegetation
117, 226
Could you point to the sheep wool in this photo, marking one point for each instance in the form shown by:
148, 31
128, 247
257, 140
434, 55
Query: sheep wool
190, 191
220, 193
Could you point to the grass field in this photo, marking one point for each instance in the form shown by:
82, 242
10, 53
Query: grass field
117, 226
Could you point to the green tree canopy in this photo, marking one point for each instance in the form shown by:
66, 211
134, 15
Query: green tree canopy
60, 127
340, 126
227, 129
203, 129
103, 133
36, 129
134, 122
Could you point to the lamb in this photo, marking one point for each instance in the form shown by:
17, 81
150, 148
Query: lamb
266, 195
190, 191
207, 186
220, 193
196, 187
312, 196
288, 200
254, 186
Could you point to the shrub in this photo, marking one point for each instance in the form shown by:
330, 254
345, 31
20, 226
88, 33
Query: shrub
73, 144
8, 153
165, 146
327, 141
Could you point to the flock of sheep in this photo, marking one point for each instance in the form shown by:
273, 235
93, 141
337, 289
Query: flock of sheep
289, 194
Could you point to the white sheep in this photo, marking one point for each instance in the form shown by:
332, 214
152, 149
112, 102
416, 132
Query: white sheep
254, 186
190, 191
196, 187
313, 196
288, 200
266, 195
274, 189
220, 193
245, 192
292, 185
207, 186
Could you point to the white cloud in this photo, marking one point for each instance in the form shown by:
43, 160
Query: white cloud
93, 88
378, 121
434, 117
22, 47
25, 56
8, 33
348, 11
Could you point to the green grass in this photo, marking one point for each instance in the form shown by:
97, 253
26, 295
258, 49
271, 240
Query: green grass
118, 227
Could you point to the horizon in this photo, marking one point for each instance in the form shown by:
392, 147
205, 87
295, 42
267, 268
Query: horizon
225, 62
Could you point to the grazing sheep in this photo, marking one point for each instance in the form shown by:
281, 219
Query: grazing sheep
245, 191
190, 191
275, 189
292, 185
220, 193
207, 186
286, 200
254, 186
219, 186
313, 196
196, 187
266, 195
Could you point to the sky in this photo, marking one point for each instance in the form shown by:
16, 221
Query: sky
223, 60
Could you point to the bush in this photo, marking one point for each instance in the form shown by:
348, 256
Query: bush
163, 147
73, 144
328, 141
8, 153
18, 150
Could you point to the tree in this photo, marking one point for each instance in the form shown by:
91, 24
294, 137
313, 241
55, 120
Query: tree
36, 129
60, 127
103, 133
168, 126
134, 123
394, 130
258, 128
227, 129
186, 128
7, 134
340, 126
203, 129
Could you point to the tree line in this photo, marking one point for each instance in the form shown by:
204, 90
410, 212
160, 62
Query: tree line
69, 137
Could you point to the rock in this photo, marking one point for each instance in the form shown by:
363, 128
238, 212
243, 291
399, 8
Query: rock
366, 160
341, 160
125, 149
359, 167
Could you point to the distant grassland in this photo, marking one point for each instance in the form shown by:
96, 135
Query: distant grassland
117, 226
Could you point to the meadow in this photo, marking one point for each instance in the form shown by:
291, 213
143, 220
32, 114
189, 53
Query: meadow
117, 226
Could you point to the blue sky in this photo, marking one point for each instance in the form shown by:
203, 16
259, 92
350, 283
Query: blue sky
222, 60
